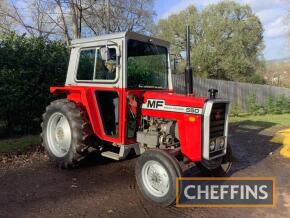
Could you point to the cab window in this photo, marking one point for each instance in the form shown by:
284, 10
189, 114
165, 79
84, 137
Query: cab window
86, 64
97, 64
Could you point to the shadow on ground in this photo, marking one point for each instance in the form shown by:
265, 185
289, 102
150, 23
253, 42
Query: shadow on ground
251, 142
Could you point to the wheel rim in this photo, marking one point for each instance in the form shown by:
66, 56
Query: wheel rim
155, 178
58, 134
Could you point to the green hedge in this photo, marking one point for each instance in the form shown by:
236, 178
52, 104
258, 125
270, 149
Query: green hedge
28, 67
273, 105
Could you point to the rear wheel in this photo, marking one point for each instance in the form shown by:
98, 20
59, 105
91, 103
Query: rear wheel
64, 133
156, 172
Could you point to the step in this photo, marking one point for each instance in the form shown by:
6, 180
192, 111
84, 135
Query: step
112, 155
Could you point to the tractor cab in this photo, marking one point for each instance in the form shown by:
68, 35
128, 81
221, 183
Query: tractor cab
118, 69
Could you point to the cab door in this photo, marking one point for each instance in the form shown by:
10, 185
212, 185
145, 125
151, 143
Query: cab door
100, 70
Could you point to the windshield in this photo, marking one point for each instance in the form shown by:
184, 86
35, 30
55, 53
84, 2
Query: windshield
147, 65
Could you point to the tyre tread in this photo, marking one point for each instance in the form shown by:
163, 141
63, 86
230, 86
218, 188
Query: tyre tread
77, 118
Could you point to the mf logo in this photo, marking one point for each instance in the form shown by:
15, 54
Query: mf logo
154, 103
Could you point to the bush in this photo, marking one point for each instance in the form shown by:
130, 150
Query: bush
235, 110
261, 111
253, 107
278, 105
274, 105
270, 105
283, 104
28, 67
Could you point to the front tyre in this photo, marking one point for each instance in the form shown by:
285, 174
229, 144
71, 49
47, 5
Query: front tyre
217, 167
63, 133
156, 172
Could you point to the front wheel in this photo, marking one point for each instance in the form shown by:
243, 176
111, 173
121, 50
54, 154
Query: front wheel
156, 172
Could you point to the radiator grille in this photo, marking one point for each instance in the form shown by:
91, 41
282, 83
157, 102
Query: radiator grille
217, 120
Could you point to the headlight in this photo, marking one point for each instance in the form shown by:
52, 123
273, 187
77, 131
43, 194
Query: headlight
212, 146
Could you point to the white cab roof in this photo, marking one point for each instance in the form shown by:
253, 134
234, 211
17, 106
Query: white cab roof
112, 36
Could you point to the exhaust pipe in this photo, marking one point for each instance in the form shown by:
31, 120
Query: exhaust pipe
188, 68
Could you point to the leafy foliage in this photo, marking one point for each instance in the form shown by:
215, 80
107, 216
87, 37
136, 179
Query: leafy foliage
282, 105
173, 28
270, 105
253, 107
235, 110
274, 105
226, 44
28, 67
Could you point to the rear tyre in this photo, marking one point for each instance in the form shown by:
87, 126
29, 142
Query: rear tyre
156, 172
217, 167
64, 133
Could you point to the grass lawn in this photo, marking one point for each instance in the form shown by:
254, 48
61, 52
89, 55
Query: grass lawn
18, 144
275, 119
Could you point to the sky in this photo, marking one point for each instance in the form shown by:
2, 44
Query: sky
272, 13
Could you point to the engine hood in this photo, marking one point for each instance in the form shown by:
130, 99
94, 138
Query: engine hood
175, 99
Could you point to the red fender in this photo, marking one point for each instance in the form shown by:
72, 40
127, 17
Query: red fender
85, 97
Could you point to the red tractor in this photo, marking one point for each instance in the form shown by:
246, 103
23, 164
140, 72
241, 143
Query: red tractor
119, 98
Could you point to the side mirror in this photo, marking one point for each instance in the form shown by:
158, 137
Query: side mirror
118, 51
105, 53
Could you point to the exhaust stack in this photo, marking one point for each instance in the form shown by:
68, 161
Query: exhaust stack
188, 68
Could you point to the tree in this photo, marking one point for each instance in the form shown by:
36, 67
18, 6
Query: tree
231, 42
120, 15
5, 22
173, 28
64, 19
30, 17
227, 40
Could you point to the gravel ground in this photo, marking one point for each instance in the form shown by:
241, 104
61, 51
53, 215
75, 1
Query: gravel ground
30, 186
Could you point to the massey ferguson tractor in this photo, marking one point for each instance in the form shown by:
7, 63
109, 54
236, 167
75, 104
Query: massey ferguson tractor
119, 99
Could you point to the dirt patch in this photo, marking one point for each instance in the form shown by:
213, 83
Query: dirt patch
22, 159
33, 187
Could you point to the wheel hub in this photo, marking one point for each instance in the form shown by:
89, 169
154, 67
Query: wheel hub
155, 178
58, 134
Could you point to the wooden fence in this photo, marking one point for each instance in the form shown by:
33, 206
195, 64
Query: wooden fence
236, 92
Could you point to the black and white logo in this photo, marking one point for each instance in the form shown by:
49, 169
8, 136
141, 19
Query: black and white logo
158, 104
152, 103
